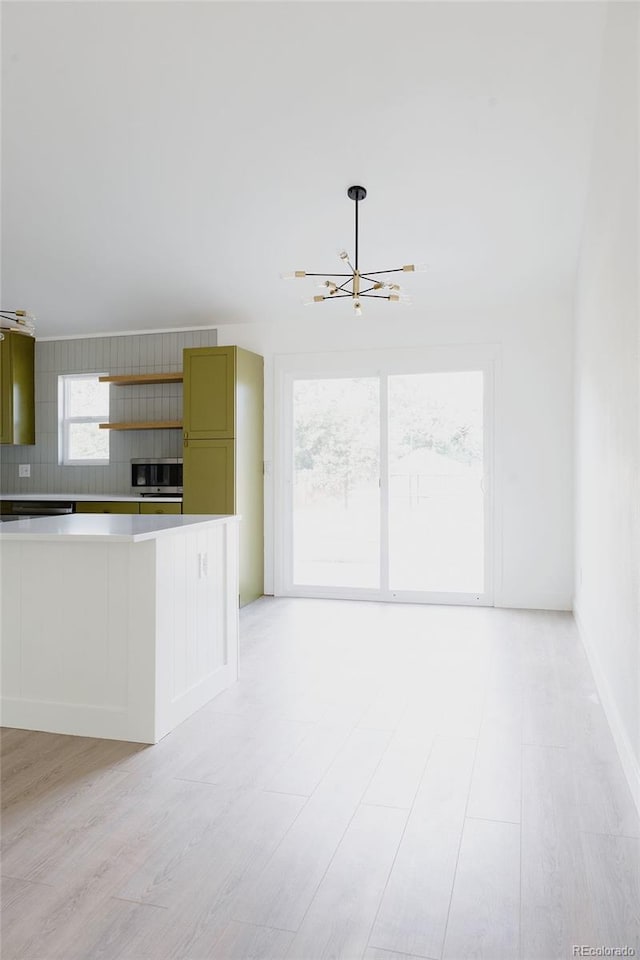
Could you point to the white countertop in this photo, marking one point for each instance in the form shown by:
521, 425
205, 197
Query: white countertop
127, 527
90, 497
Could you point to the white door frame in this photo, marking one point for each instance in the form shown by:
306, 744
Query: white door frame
381, 363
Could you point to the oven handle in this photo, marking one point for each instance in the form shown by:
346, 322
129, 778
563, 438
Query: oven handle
35, 509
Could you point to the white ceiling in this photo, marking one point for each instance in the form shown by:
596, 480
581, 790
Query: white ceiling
162, 163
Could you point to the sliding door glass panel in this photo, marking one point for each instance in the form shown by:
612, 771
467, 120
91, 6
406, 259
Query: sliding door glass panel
436, 499
336, 493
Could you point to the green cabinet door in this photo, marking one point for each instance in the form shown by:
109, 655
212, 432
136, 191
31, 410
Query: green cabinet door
209, 476
17, 400
149, 507
6, 393
209, 409
107, 506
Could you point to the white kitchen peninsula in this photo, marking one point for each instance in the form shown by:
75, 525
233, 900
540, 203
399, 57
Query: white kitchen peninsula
116, 626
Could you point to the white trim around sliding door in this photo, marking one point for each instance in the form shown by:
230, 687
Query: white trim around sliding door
290, 367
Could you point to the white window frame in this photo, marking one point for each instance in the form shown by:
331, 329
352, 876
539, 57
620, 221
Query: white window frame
64, 421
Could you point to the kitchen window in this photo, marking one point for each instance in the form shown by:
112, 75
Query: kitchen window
83, 403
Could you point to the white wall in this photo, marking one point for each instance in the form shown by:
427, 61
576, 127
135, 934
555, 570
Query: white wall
533, 472
607, 394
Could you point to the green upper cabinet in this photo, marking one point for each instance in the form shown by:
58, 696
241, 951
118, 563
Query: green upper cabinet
209, 407
17, 399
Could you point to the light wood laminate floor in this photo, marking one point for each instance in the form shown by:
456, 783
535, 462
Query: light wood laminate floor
384, 782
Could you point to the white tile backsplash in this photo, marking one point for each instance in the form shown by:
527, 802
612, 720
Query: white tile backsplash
141, 353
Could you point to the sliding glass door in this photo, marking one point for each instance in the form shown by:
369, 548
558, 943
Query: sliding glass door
436, 499
386, 490
336, 470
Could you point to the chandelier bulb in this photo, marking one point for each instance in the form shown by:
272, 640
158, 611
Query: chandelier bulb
416, 267
328, 286
343, 255
400, 298
357, 308
293, 275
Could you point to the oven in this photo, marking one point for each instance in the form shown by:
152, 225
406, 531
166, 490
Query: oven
157, 478
30, 509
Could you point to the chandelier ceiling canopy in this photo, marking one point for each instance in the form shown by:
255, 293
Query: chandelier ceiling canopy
357, 284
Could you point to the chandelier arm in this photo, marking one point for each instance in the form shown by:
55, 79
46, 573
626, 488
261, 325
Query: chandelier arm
366, 290
375, 273
375, 296
328, 274
343, 285
338, 296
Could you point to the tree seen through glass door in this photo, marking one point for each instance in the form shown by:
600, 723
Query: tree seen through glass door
336, 470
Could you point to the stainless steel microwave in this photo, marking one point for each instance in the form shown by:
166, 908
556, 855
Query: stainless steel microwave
157, 478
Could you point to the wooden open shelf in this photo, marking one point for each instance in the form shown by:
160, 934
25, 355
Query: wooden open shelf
144, 425
131, 379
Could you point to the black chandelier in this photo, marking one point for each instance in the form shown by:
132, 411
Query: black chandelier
355, 287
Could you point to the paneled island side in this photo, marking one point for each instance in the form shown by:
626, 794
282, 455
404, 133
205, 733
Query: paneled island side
116, 626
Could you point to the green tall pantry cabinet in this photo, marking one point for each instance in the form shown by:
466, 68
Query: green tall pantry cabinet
223, 416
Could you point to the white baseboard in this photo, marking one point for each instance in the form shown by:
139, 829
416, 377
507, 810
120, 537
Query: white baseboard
630, 763
73, 719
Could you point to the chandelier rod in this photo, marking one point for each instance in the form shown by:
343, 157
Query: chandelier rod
356, 194
357, 202
374, 273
